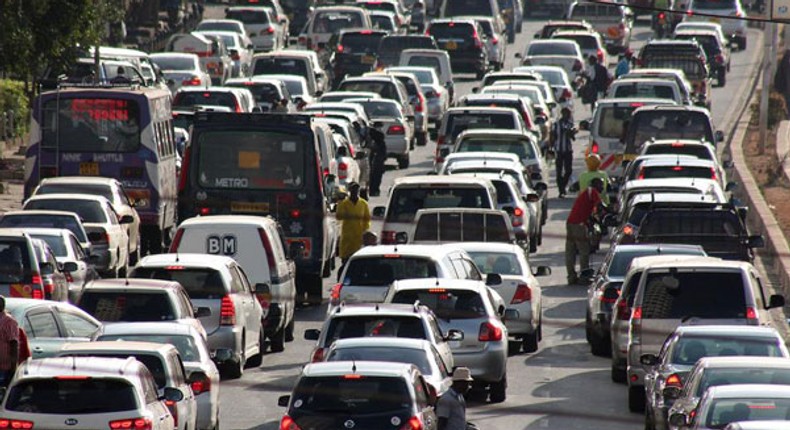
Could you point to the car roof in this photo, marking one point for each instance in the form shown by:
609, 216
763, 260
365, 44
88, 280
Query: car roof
46, 231
660, 197
697, 31
576, 32
259, 79
747, 362
689, 161
437, 251
476, 132
552, 41
491, 96
456, 19
456, 157
208, 89
670, 107
702, 184
652, 260
428, 181
428, 283
388, 309
490, 247
425, 52
227, 219
703, 262
365, 368
116, 345
80, 180
634, 100
132, 284
80, 366
148, 328
216, 262
489, 164
728, 330
41, 212
68, 196
659, 247
737, 391
389, 342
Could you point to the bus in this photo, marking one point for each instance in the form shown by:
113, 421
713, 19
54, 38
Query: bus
122, 132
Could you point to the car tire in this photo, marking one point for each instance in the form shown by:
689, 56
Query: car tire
721, 79
636, 399
742, 44
599, 346
513, 347
257, 359
277, 341
314, 289
618, 375
234, 369
403, 162
498, 390
289, 331
511, 36
530, 342
480, 74
412, 143
588, 327
326, 269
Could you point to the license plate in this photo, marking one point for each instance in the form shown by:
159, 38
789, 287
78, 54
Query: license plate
368, 59
451, 46
249, 207
89, 169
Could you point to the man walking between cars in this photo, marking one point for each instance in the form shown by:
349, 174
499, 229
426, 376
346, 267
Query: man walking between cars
576, 232
354, 213
9, 345
563, 134
377, 157
451, 407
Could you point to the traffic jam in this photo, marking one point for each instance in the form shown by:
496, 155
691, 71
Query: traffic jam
372, 182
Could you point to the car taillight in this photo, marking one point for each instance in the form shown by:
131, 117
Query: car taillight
340, 49
227, 312
318, 355
326, 172
623, 311
194, 81
661, 16
413, 423
495, 40
751, 314
594, 148
129, 423
15, 424
176, 240
517, 217
182, 176
719, 58
420, 103
637, 315
334, 294
173, 408
235, 56
478, 42
302, 41
396, 129
69, 277
523, 294
673, 380
566, 94
713, 174
388, 237
599, 54
602, 297
288, 423
577, 65
641, 173
489, 332
270, 30
49, 287
201, 384
38, 294
342, 170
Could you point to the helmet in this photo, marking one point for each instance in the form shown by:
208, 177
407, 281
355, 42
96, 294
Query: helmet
593, 161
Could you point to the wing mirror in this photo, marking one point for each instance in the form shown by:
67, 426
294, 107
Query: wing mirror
756, 241
648, 359
610, 220
202, 312
532, 198
70, 266
173, 395
493, 279
379, 211
678, 420
312, 334
584, 125
541, 187
541, 271
126, 219
719, 136
283, 401
454, 335
776, 301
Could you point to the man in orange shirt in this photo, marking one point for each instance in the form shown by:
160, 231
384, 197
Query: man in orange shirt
576, 233
9, 345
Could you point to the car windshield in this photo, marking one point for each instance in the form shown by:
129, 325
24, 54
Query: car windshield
110, 306
447, 304
406, 201
699, 294
72, 396
199, 283
70, 223
353, 396
680, 149
380, 353
375, 326
90, 211
175, 63
690, 348
186, 345
64, 188
497, 262
522, 148
545, 49
713, 377
724, 411
384, 270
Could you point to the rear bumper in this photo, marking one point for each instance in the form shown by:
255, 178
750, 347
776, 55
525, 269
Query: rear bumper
206, 411
487, 365
468, 63
523, 324
397, 145
226, 337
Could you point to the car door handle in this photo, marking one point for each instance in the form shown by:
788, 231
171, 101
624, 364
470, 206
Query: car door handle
38, 350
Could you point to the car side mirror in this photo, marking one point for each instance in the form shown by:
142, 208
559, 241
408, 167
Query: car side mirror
454, 335
283, 401
296, 250
540, 120
541, 271
493, 279
342, 151
678, 420
648, 359
610, 220
70, 266
776, 301
719, 136
202, 312
173, 395
126, 219
584, 125
379, 211
475, 90
517, 55
730, 187
540, 187
671, 393
401, 238
312, 334
756, 241
532, 198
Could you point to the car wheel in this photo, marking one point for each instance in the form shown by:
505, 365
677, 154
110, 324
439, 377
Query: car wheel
277, 341
530, 342
257, 359
636, 398
721, 79
588, 327
742, 44
234, 369
513, 347
498, 390
403, 161
289, 331
649, 424
618, 375
314, 292
326, 270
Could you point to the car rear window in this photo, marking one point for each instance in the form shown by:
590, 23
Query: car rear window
199, 283
468, 7
46, 221
56, 244
689, 349
382, 271
379, 109
72, 396
89, 210
365, 395
213, 98
699, 294
426, 61
713, 377
713, 4
334, 21
457, 123
584, 42
446, 303
621, 261
263, 93
629, 89
360, 42
14, 260
375, 326
459, 32
612, 120
522, 148
391, 44
386, 89
461, 227
668, 124
377, 353
406, 201
661, 172
281, 66
248, 16
186, 346
496, 262
113, 306
679, 149
542, 49
724, 411
691, 223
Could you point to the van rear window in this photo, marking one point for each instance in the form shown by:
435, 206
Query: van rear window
468, 7
382, 271
375, 326
627, 90
445, 303
72, 396
406, 201
199, 283
612, 120
700, 294
110, 306
14, 261
669, 124
248, 16
251, 160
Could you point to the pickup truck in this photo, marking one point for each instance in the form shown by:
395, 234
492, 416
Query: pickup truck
462, 225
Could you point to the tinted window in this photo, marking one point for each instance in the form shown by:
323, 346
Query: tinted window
89, 210
47, 221
72, 396
724, 411
375, 326
688, 349
670, 125
538, 49
129, 307
199, 283
263, 93
379, 271
360, 42
218, 26
397, 44
504, 194
446, 303
14, 261
693, 150
332, 22
186, 346
497, 262
459, 32
644, 90
584, 42
457, 123
694, 294
406, 201
284, 66
694, 222
91, 125
387, 90
660, 172
398, 355
218, 98
714, 4
175, 63
251, 160
248, 16
468, 7
55, 243
352, 396
713, 377
381, 109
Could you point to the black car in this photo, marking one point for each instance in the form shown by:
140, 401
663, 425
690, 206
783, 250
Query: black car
354, 52
390, 47
464, 41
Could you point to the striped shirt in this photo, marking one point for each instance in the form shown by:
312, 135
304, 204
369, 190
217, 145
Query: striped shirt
9, 331
563, 135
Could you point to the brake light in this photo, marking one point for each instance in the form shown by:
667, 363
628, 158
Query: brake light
340, 49
49, 287
270, 30
719, 58
678, 144
599, 54
413, 423
326, 171
288, 423
342, 170
318, 355
523, 294
751, 314
388, 237
235, 56
176, 240
38, 294
661, 15
637, 315
566, 94
131, 423
182, 179
713, 174
201, 385
36, 279
641, 173
594, 148
489, 332
334, 294
15, 424
495, 40
396, 129
295, 213
673, 380
623, 311
352, 376
204, 211
227, 312
478, 42
420, 103
677, 168
171, 406
605, 299
194, 81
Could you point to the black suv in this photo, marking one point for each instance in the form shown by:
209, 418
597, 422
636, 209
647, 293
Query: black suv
464, 40
390, 47
354, 53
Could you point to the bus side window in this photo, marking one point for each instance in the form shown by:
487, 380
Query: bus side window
158, 139
171, 139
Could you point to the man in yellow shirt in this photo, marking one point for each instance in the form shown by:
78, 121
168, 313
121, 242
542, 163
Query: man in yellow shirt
354, 213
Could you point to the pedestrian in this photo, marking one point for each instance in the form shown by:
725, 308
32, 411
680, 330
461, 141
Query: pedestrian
624, 65
782, 79
418, 16
593, 162
451, 407
354, 213
377, 157
9, 345
563, 134
576, 231
600, 77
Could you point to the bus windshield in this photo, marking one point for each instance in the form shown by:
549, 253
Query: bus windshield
251, 160
91, 125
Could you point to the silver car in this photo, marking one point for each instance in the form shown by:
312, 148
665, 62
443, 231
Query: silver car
181, 69
436, 95
469, 307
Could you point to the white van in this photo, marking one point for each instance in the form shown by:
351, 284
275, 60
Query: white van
258, 245
437, 59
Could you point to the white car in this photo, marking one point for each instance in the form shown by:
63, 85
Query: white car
67, 249
240, 49
181, 69
709, 11
591, 43
437, 59
348, 169
519, 289
298, 88
437, 96
112, 189
554, 52
201, 372
557, 78
86, 393
263, 29
388, 117
106, 228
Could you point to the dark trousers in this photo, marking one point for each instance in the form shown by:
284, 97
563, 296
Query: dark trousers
376, 172
564, 162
